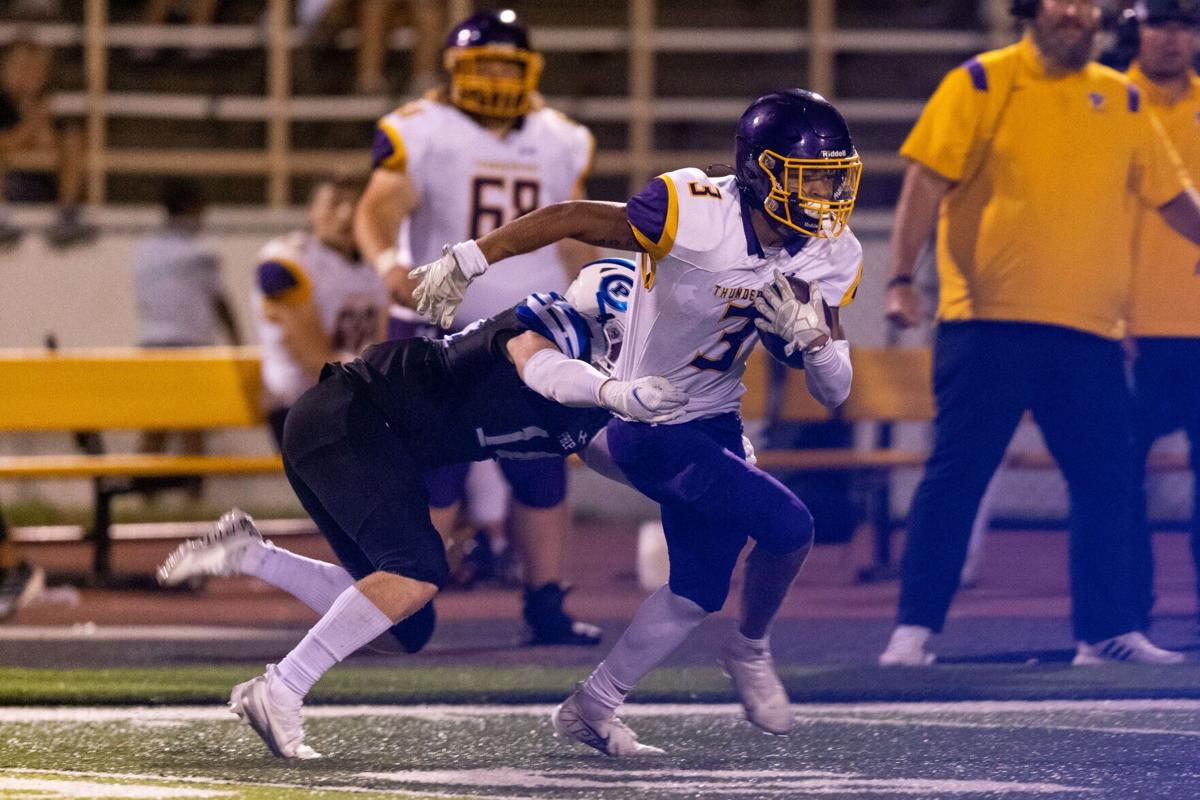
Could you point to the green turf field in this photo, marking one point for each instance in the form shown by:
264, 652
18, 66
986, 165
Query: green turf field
529, 684
119, 734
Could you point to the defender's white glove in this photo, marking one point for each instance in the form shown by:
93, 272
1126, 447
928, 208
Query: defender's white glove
799, 324
650, 399
444, 282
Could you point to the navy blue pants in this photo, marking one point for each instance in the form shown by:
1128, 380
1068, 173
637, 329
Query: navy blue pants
711, 500
535, 482
986, 375
1166, 398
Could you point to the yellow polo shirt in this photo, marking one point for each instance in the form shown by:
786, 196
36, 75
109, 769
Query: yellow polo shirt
1166, 290
1050, 172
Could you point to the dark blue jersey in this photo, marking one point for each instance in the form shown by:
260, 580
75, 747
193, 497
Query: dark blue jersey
460, 399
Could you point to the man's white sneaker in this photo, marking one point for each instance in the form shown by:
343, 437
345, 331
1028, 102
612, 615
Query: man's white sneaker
752, 671
1132, 647
280, 727
219, 553
906, 648
608, 734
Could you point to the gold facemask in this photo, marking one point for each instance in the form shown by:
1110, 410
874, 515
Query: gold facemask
476, 92
814, 196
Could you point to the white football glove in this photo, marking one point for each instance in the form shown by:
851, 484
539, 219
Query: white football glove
799, 324
650, 399
444, 282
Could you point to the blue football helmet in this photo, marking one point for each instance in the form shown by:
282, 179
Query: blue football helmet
601, 294
477, 84
796, 162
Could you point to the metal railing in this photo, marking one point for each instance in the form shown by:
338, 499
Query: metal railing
640, 109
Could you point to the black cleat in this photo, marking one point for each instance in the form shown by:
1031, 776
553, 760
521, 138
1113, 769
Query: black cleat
18, 585
414, 632
549, 623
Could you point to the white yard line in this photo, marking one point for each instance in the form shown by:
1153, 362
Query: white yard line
70, 775
846, 712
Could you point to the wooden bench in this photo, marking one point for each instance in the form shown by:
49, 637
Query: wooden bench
87, 391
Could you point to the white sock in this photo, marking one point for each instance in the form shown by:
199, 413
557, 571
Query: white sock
351, 622
917, 633
315, 583
741, 643
662, 622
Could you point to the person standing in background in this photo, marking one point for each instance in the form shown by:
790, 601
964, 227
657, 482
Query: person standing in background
181, 300
1164, 321
1014, 157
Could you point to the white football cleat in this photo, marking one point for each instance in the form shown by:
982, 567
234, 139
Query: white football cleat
752, 672
282, 729
1132, 647
608, 734
906, 648
219, 553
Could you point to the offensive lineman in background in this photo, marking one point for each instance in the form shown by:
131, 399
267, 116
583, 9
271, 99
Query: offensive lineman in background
455, 165
721, 256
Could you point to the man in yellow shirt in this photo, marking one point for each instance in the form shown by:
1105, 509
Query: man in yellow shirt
1164, 318
1034, 163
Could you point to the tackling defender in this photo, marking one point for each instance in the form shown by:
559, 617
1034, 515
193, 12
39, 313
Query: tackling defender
465, 159
718, 255
355, 446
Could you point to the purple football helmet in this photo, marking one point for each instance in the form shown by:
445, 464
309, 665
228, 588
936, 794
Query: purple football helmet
796, 162
493, 70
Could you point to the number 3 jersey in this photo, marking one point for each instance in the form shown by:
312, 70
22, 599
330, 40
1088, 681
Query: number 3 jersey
691, 318
460, 399
348, 297
470, 181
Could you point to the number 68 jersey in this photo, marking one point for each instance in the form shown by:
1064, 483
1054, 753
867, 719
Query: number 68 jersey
470, 181
691, 318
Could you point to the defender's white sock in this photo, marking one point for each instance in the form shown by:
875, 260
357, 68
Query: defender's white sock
661, 624
351, 622
315, 583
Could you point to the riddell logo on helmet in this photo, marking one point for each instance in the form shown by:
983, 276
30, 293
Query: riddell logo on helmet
833, 154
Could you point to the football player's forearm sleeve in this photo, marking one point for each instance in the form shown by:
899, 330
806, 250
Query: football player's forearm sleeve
569, 381
828, 373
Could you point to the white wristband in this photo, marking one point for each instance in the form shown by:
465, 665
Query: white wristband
828, 373
470, 258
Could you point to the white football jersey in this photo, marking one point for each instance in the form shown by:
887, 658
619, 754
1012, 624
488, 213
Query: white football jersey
691, 318
471, 181
349, 296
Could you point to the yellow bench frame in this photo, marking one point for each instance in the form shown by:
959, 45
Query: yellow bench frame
89, 390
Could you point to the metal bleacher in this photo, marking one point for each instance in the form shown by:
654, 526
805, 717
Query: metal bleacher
660, 81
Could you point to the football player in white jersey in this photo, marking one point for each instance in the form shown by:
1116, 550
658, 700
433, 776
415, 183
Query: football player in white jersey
456, 165
720, 258
314, 300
